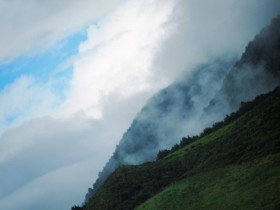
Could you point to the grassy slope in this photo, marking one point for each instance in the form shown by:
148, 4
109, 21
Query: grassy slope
235, 167
251, 185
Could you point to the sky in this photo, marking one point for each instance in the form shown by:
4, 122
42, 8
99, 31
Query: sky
74, 74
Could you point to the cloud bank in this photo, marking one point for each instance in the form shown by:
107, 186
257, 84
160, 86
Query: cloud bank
52, 148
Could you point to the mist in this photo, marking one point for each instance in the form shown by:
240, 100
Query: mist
141, 78
200, 97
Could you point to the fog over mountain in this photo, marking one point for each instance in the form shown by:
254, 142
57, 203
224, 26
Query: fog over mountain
78, 78
255, 73
199, 99
167, 117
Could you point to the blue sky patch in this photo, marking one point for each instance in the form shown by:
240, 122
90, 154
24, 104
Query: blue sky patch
42, 65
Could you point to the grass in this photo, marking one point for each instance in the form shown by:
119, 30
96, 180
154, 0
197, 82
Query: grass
251, 185
181, 153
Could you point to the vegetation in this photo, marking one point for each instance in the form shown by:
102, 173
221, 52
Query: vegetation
251, 185
233, 165
77, 208
244, 107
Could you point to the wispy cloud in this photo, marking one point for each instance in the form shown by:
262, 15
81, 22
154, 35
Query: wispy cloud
27, 25
25, 99
137, 47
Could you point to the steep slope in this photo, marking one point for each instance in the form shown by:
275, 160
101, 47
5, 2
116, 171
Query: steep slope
232, 167
163, 121
257, 72
180, 109
250, 185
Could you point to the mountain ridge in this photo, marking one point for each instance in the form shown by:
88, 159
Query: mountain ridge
240, 143
151, 127
259, 70
256, 72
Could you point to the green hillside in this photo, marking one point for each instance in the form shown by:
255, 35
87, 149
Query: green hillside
200, 96
235, 166
251, 185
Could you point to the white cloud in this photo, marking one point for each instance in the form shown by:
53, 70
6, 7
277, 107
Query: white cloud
111, 75
116, 59
25, 99
126, 58
26, 25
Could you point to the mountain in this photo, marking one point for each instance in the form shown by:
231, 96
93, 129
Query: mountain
197, 100
162, 122
257, 72
236, 166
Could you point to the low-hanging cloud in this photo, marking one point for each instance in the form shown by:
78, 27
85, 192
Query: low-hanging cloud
201, 31
171, 114
127, 57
